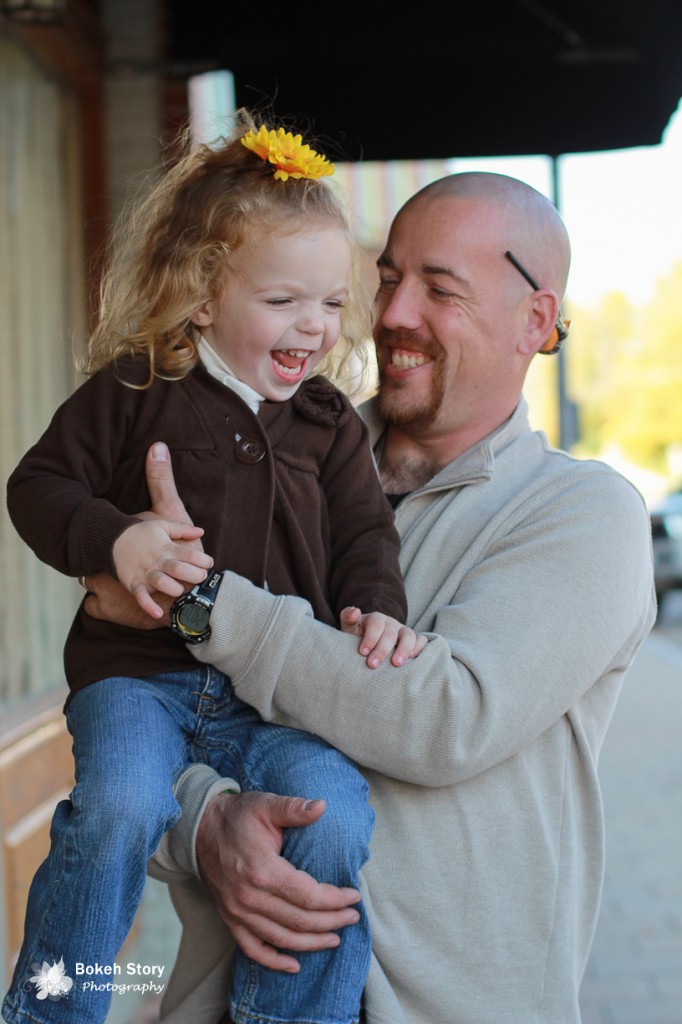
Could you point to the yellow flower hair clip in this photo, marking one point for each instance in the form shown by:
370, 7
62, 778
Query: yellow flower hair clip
287, 152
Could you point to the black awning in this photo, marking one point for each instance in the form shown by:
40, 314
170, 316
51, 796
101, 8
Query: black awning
502, 77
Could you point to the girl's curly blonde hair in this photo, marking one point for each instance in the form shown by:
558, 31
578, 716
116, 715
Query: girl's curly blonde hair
170, 252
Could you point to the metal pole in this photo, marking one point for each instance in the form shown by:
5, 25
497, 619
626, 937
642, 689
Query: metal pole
568, 412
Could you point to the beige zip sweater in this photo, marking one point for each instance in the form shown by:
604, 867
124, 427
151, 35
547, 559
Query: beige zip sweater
533, 573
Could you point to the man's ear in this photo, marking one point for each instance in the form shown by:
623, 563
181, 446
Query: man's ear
203, 315
540, 321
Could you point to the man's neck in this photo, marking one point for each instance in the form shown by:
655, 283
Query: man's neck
407, 463
402, 473
408, 460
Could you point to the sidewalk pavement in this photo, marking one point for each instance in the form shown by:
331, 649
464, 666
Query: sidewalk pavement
635, 972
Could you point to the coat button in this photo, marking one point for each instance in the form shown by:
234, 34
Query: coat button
248, 449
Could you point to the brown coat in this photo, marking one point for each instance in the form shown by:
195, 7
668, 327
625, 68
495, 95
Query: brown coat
290, 496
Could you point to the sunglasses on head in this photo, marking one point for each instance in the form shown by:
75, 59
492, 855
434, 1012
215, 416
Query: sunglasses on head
560, 332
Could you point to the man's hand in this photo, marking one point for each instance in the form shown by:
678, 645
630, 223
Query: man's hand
109, 600
266, 902
166, 501
382, 634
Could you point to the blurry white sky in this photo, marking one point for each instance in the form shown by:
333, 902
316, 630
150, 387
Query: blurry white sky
623, 211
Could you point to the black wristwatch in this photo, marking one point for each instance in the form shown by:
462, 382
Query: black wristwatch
190, 613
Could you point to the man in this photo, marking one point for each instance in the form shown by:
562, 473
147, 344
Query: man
532, 572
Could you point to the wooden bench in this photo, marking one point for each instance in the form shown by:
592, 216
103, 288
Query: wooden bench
36, 772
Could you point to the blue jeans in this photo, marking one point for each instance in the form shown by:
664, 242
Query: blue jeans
132, 737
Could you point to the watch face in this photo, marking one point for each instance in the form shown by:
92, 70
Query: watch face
193, 617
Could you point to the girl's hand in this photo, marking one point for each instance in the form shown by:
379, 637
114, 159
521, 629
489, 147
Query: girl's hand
382, 634
158, 555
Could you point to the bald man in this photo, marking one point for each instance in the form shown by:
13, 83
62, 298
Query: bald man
531, 572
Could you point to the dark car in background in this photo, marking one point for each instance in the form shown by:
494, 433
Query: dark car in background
666, 533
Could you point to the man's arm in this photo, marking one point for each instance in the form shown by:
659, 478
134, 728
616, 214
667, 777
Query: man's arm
510, 657
554, 600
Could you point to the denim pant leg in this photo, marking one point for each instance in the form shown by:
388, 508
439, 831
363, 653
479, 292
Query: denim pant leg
289, 762
83, 898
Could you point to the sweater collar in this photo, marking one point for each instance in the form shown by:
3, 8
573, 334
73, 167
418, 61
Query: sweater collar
477, 463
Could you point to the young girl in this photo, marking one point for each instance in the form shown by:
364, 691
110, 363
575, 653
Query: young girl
229, 287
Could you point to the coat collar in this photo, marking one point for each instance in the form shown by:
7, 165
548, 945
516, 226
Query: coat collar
477, 463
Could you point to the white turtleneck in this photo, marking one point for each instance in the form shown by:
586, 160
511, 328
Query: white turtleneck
216, 366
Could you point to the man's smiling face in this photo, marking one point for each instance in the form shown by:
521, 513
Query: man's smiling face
446, 317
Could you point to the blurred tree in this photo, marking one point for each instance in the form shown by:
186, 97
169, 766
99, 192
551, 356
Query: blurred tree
626, 374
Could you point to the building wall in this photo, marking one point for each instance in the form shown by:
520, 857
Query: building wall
80, 127
42, 295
